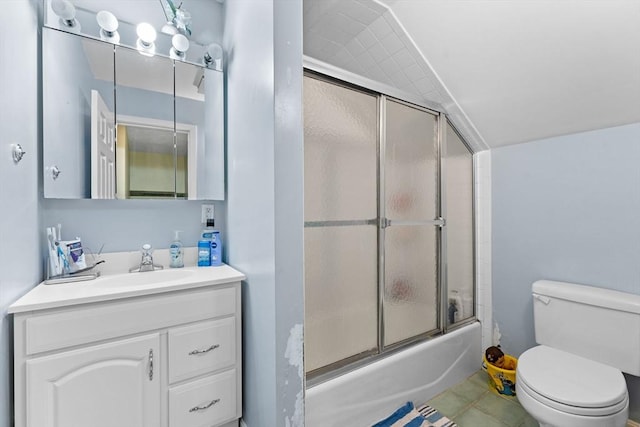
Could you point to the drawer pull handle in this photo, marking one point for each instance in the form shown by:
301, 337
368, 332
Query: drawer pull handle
196, 352
202, 408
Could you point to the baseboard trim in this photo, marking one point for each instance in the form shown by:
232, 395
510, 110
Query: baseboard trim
631, 423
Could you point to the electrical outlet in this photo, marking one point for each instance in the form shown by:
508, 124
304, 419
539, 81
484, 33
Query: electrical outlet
207, 213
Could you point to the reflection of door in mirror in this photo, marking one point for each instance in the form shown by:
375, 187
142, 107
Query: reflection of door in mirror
149, 165
103, 153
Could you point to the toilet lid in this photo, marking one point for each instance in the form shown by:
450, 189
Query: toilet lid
571, 380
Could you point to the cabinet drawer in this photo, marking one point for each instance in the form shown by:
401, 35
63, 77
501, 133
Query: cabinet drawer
63, 328
201, 348
204, 402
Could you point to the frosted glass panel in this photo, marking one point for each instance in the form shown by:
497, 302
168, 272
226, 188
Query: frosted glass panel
410, 293
340, 293
459, 212
340, 150
410, 166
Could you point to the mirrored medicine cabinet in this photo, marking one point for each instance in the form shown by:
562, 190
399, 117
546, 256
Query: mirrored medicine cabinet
125, 118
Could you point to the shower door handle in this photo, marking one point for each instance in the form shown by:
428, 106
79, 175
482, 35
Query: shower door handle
438, 222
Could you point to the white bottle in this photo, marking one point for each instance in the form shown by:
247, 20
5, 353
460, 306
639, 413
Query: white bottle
175, 251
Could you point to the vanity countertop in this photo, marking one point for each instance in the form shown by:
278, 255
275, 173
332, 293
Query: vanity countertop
116, 286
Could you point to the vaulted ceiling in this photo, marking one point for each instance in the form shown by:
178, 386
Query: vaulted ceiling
508, 71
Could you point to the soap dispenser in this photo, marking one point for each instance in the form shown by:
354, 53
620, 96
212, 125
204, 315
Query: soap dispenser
176, 252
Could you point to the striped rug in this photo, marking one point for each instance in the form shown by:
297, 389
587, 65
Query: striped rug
435, 418
409, 416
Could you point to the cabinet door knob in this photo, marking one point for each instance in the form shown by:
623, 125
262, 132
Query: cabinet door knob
151, 365
196, 352
202, 408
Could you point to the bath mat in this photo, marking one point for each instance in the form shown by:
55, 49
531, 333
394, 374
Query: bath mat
409, 416
435, 418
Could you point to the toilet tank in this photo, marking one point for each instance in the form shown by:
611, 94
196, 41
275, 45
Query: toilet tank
595, 323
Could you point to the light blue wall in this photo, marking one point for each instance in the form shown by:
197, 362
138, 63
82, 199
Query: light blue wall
125, 225
248, 42
264, 205
567, 209
289, 215
19, 251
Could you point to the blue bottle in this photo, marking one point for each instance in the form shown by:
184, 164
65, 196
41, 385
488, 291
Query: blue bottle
204, 253
216, 248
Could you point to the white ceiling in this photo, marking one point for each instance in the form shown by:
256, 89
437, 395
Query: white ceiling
509, 71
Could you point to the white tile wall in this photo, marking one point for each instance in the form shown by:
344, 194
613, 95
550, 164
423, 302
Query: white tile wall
483, 245
366, 38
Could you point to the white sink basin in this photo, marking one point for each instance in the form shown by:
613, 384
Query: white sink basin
143, 279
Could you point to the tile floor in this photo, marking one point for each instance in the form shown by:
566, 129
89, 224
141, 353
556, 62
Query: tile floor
471, 404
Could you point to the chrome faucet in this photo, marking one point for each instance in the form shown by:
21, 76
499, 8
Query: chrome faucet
146, 263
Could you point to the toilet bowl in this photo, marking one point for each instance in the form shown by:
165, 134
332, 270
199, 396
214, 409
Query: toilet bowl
587, 336
560, 389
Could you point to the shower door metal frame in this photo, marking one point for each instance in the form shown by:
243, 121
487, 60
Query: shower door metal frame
384, 223
354, 82
329, 371
446, 327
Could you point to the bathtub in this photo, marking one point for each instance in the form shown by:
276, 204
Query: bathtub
361, 397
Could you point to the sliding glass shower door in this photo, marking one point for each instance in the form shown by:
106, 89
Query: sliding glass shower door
341, 259
410, 211
375, 233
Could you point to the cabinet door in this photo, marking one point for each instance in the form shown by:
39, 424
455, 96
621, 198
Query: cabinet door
108, 385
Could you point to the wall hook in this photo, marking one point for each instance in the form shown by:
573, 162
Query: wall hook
18, 152
55, 172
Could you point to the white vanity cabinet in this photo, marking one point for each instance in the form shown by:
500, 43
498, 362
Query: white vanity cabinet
165, 359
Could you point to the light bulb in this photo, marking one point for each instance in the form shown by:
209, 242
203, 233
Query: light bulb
66, 11
180, 44
108, 26
146, 33
212, 55
146, 36
169, 28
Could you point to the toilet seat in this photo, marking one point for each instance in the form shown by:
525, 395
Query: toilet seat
570, 383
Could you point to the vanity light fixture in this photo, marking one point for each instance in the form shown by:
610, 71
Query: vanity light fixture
213, 56
67, 13
146, 38
179, 45
108, 26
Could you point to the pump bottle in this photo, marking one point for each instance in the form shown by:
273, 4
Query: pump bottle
176, 252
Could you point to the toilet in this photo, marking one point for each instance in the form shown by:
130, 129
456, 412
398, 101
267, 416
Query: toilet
587, 338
